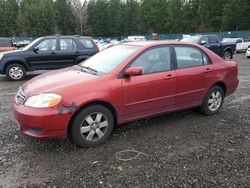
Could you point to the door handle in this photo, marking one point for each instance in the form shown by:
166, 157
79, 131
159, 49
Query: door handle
53, 53
208, 70
169, 76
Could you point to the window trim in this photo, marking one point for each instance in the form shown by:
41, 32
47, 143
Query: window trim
190, 46
122, 73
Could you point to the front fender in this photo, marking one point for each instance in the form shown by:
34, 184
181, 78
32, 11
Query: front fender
9, 60
111, 98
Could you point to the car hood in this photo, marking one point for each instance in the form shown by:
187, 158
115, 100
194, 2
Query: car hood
56, 81
13, 52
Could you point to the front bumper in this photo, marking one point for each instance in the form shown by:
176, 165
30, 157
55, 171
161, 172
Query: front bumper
41, 123
1, 68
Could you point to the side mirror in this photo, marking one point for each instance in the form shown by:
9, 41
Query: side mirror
133, 71
203, 42
35, 49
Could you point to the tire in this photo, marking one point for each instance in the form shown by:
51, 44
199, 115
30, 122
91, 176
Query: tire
15, 72
227, 55
212, 97
92, 126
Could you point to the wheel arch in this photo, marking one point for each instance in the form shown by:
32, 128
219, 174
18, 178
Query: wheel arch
222, 85
228, 50
81, 58
15, 62
102, 103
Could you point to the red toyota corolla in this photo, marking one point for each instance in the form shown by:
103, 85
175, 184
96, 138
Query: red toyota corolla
123, 83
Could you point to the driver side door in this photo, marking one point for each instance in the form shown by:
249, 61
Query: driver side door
152, 92
46, 55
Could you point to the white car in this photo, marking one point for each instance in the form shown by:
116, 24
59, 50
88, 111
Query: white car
242, 46
248, 53
136, 38
233, 40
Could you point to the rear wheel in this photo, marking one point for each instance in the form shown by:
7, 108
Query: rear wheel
92, 126
15, 72
213, 101
227, 55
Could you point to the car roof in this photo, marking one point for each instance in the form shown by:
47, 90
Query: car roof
157, 42
66, 36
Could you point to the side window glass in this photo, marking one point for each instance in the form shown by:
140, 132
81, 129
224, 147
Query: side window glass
213, 40
86, 43
206, 60
188, 57
47, 45
154, 60
68, 45
205, 39
238, 41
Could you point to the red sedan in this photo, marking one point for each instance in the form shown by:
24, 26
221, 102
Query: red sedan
123, 83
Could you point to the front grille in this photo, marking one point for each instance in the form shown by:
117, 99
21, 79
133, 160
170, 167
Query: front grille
21, 96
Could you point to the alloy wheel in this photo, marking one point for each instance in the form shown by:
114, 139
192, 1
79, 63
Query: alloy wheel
94, 126
215, 100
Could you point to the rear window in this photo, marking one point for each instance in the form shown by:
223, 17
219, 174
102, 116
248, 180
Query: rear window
213, 39
5, 43
87, 43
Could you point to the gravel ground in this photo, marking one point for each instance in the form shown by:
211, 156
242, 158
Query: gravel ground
182, 149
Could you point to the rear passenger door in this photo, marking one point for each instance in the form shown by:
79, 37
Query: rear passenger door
193, 75
67, 52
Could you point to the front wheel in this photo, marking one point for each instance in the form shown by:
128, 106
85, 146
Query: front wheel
15, 72
213, 101
227, 55
92, 126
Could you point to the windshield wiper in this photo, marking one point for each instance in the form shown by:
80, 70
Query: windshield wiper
89, 69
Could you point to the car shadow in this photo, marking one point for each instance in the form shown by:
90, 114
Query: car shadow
148, 124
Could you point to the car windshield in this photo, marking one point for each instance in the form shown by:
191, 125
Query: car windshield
107, 60
194, 39
31, 44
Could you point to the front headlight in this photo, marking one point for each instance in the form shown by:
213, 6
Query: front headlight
43, 100
1, 56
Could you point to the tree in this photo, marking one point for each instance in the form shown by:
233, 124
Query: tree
236, 15
65, 18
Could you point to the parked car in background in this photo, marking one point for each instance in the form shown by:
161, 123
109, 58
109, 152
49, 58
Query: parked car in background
6, 44
123, 83
233, 40
136, 38
248, 53
242, 46
104, 44
47, 53
223, 49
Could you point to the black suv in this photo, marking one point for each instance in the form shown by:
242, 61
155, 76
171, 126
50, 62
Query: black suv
46, 53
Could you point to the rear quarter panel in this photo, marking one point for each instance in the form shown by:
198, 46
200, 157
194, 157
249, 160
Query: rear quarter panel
223, 71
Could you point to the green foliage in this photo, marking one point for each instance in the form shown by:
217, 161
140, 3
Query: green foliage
121, 17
